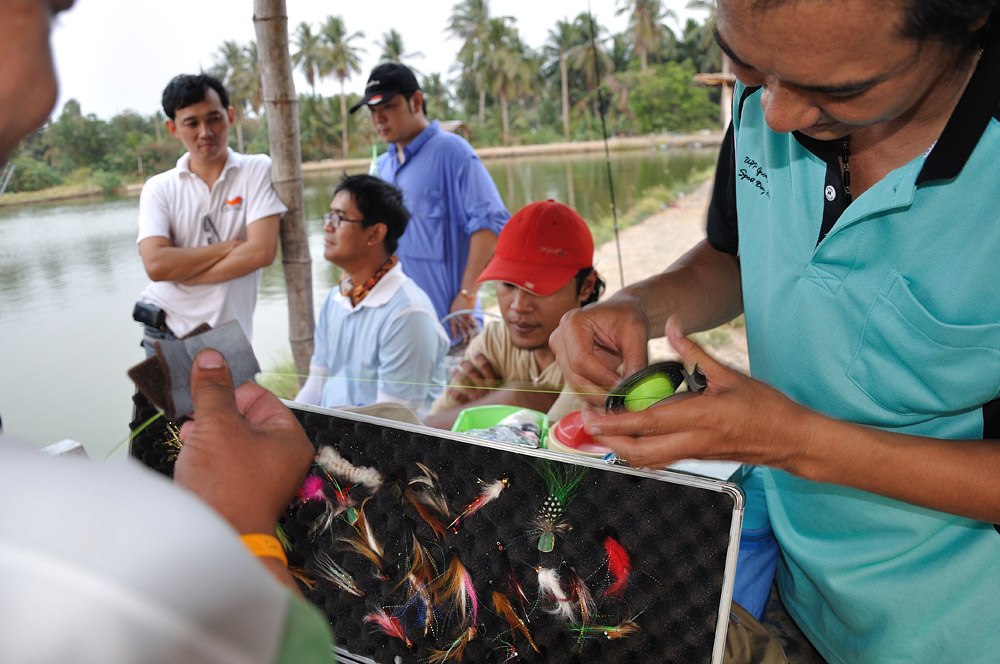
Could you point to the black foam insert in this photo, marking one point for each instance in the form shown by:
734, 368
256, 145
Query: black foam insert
676, 535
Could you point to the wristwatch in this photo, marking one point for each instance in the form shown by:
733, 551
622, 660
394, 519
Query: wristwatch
469, 296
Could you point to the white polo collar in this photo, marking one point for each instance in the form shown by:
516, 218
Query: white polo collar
233, 160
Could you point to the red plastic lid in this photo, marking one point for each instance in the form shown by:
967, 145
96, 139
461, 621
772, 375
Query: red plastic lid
569, 431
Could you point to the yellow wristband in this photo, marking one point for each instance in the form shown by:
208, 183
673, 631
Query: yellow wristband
469, 296
265, 546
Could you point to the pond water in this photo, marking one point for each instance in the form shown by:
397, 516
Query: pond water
70, 274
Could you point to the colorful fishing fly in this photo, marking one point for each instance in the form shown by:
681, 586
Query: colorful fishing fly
455, 650
562, 483
622, 630
363, 542
490, 493
431, 503
326, 568
619, 566
549, 587
389, 625
418, 579
503, 607
510, 576
582, 596
455, 586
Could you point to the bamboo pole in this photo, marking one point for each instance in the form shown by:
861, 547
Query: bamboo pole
282, 108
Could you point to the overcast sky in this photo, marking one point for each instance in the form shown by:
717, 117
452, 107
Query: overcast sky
115, 55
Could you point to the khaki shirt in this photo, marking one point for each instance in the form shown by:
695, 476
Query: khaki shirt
514, 364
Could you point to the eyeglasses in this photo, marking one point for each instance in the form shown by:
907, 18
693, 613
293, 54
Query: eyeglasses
335, 219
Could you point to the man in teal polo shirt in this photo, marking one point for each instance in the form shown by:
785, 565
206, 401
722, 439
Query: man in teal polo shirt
855, 223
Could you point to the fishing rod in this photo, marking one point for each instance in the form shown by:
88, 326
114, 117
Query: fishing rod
5, 178
604, 132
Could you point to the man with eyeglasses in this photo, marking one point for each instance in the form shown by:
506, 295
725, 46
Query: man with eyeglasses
208, 226
378, 339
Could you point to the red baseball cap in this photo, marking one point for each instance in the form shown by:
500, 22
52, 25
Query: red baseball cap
541, 248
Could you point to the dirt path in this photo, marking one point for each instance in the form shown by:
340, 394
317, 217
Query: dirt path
649, 247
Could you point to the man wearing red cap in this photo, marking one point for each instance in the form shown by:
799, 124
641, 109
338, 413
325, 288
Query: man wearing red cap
543, 267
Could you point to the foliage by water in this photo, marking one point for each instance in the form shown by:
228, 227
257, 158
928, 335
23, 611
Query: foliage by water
504, 91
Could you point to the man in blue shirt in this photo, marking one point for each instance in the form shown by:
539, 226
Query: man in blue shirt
456, 212
378, 338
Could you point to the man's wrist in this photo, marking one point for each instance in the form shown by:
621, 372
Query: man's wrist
264, 545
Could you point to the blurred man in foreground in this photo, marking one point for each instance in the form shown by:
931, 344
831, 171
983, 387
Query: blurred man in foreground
112, 564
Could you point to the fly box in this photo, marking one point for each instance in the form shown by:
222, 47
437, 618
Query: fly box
424, 546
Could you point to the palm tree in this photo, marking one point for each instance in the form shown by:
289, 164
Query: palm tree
712, 54
435, 88
341, 59
563, 38
236, 66
702, 37
646, 27
393, 50
506, 63
309, 53
469, 22
584, 62
271, 27
252, 87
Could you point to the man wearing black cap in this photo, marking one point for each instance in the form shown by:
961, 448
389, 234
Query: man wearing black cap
456, 209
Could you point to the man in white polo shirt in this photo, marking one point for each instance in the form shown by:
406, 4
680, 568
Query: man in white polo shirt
208, 226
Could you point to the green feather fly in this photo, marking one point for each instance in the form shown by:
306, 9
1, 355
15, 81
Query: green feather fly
562, 481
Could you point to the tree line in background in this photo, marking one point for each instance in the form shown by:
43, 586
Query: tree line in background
503, 90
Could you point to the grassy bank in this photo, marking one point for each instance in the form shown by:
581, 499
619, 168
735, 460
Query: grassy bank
67, 192
653, 200
280, 378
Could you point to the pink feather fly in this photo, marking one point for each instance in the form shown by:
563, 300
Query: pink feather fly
311, 489
619, 566
488, 495
456, 584
388, 625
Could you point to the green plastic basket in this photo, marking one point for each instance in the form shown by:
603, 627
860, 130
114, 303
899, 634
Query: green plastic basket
483, 417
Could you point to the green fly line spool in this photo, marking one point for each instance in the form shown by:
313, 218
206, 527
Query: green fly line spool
645, 387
